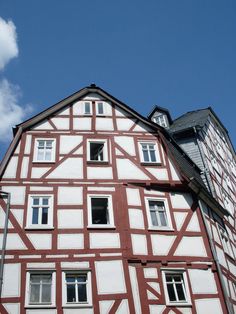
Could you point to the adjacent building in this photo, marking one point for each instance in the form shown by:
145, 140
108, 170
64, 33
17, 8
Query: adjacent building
108, 214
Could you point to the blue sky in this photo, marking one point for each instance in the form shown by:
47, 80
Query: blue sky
177, 54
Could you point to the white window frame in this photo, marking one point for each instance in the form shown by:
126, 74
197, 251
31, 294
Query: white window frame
225, 240
29, 224
110, 211
53, 289
105, 150
35, 159
185, 287
90, 108
66, 304
167, 211
161, 120
97, 108
157, 154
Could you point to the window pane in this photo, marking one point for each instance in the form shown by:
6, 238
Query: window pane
49, 144
82, 293
34, 293
154, 218
82, 278
40, 154
177, 278
180, 292
46, 293
35, 201
70, 278
35, 278
153, 155
44, 215
45, 201
99, 210
46, 278
48, 154
35, 215
100, 108
87, 107
171, 292
71, 293
41, 143
163, 221
145, 155
96, 151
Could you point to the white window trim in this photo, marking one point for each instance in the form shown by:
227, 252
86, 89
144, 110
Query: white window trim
91, 109
158, 118
29, 224
105, 151
168, 217
157, 153
89, 289
53, 287
104, 108
181, 271
224, 235
110, 211
36, 150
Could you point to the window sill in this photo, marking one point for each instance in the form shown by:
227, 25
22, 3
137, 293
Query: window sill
97, 162
43, 161
150, 163
40, 306
39, 228
101, 227
161, 229
77, 305
186, 304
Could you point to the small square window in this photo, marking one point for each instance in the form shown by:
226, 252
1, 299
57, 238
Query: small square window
149, 152
100, 213
40, 289
87, 108
77, 288
158, 213
161, 120
40, 211
176, 288
44, 150
97, 151
100, 108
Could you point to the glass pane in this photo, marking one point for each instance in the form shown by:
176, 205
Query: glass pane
49, 144
70, 278
46, 293
45, 201
82, 293
100, 108
35, 215
87, 107
35, 201
162, 216
177, 278
99, 210
171, 292
154, 218
96, 151
151, 147
46, 278
145, 155
34, 293
168, 278
35, 278
48, 154
180, 292
82, 278
44, 215
153, 155
40, 154
71, 293
41, 143
144, 146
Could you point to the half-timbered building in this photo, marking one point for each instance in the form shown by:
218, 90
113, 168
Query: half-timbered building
106, 215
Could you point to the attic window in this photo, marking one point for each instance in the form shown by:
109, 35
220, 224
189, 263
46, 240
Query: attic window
44, 150
87, 107
97, 150
100, 108
161, 120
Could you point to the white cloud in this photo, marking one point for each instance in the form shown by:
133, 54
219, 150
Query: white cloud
10, 112
8, 42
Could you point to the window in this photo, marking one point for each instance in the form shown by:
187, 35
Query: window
97, 151
40, 209
175, 287
77, 288
161, 120
225, 240
100, 108
158, 213
100, 213
40, 289
149, 153
87, 108
44, 150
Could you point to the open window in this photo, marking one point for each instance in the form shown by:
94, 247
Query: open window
97, 151
100, 212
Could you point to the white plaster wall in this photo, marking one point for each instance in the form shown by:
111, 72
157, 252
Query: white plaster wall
41, 241
38, 172
69, 142
70, 218
124, 124
156, 309
127, 170
61, 123
139, 244
194, 224
11, 280
24, 167
179, 219
136, 218
78, 311
19, 215
78, 108
99, 173
11, 168
191, 246
221, 257
71, 241
93, 96
204, 306
127, 143
161, 244
105, 306
70, 168
41, 265
105, 270
17, 194
123, 308
133, 197
14, 242
141, 127
2, 219
160, 174
12, 308
150, 272
102, 188
202, 281
64, 112
181, 200
104, 124
154, 192
70, 195
104, 240
45, 125
120, 112
174, 173
41, 311
82, 124
75, 265
28, 144
135, 289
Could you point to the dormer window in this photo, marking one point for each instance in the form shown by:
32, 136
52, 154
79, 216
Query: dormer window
161, 120
87, 108
100, 108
